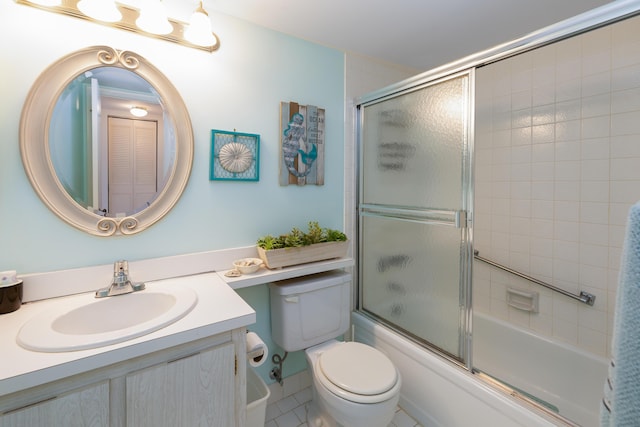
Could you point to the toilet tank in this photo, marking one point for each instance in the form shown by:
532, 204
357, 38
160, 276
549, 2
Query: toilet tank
309, 310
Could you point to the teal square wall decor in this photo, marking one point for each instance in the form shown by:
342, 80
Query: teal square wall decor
235, 156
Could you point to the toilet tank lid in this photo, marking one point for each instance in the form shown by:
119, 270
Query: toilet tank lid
309, 283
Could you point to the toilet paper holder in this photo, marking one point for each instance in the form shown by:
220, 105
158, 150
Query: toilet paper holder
257, 351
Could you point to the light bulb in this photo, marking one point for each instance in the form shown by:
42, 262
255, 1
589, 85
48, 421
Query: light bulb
101, 10
153, 18
199, 30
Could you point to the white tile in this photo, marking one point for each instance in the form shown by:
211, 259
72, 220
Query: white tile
272, 411
567, 190
542, 171
625, 100
625, 191
625, 169
275, 390
594, 149
542, 152
568, 110
595, 320
566, 210
594, 170
290, 419
566, 230
595, 255
625, 146
596, 84
542, 227
594, 191
623, 57
541, 134
543, 114
597, 213
287, 404
304, 395
567, 150
543, 190
291, 385
520, 172
521, 118
568, 89
627, 77
568, 130
271, 424
521, 136
541, 247
569, 170
567, 270
542, 209
565, 251
566, 331
301, 412
401, 419
596, 234
625, 123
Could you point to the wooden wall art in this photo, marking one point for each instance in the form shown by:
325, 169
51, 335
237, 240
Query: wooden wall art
302, 144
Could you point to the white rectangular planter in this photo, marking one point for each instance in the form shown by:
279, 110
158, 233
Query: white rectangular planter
277, 258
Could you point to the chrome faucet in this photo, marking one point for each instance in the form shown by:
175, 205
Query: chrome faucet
121, 284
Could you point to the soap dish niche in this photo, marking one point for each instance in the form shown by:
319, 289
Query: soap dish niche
523, 300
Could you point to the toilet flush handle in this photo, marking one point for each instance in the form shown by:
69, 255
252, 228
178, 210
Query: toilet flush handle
294, 299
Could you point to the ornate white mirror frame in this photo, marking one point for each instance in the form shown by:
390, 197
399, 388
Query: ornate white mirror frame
34, 141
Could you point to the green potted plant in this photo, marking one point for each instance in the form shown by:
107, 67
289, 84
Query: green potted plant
299, 247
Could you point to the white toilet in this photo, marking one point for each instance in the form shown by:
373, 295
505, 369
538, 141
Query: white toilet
354, 385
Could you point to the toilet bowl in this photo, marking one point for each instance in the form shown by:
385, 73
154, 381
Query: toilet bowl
354, 385
362, 391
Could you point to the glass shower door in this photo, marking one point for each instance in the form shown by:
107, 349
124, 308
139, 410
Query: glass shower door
414, 248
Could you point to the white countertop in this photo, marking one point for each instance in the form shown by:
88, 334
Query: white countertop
219, 309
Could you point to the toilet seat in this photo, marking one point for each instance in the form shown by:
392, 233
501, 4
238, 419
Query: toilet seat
358, 373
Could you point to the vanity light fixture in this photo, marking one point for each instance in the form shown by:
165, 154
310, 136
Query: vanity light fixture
101, 10
153, 18
138, 111
149, 18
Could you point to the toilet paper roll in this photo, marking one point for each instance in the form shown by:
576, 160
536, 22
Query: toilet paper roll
257, 350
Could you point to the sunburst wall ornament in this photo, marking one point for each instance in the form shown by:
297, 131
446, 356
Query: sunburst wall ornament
235, 156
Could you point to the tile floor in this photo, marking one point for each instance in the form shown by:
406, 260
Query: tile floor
286, 406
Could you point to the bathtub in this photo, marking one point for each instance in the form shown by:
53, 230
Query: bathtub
439, 394
563, 377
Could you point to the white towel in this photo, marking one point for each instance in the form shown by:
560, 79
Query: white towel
621, 403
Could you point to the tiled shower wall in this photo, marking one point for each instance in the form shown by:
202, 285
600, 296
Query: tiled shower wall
557, 151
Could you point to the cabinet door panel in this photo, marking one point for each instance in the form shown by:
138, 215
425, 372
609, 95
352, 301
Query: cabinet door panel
193, 391
84, 408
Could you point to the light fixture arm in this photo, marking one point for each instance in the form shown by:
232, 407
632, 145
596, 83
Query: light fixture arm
128, 22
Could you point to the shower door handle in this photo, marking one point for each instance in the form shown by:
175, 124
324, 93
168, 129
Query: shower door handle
461, 219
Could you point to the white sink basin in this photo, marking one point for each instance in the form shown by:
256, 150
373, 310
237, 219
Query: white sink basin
83, 322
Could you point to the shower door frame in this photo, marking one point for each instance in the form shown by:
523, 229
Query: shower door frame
596, 18
463, 218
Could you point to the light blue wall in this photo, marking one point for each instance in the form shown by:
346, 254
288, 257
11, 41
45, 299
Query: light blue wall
238, 87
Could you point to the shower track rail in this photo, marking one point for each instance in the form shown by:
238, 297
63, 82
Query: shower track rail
584, 297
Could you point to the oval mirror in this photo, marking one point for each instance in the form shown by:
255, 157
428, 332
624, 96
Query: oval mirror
106, 141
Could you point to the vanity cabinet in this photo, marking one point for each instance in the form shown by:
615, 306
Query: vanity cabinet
199, 383
88, 406
190, 391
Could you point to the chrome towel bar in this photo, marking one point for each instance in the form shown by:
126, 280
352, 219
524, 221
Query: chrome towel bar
584, 297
